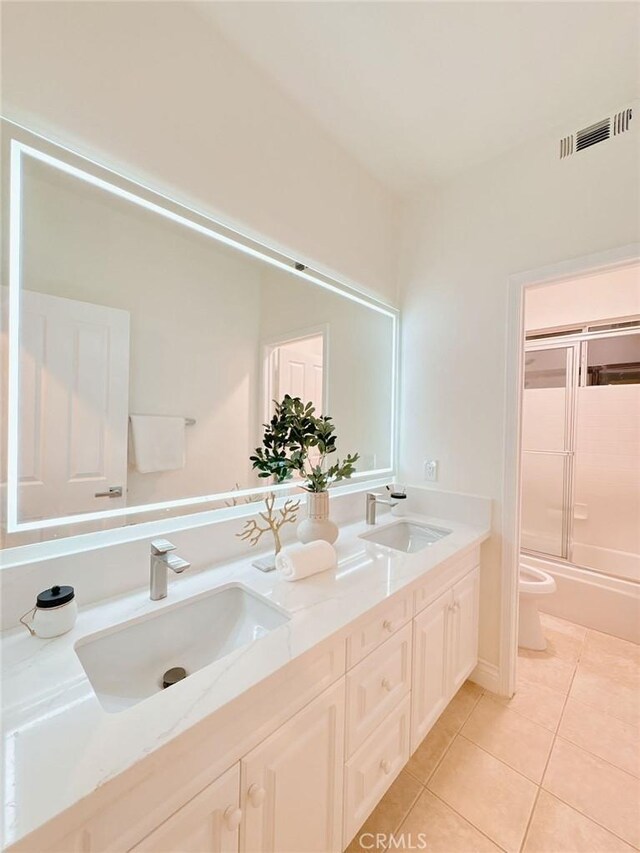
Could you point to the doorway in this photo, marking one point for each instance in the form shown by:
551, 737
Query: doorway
296, 365
519, 285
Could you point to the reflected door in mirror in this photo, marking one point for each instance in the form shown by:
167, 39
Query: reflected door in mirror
74, 387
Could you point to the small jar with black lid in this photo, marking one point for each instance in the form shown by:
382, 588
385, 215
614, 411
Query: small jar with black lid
55, 612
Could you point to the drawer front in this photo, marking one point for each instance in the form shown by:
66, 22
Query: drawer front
377, 627
370, 772
430, 589
376, 685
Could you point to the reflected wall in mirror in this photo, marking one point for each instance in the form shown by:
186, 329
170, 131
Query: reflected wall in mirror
149, 350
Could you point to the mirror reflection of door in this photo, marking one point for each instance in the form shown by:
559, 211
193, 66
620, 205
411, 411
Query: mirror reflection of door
74, 388
297, 369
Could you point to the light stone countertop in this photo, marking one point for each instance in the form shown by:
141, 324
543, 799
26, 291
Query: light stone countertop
59, 744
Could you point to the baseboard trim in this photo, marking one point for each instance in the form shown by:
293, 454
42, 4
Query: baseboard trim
487, 675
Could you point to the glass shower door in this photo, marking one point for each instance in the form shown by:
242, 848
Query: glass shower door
550, 380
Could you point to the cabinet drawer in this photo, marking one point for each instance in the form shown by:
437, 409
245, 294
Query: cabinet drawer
377, 627
373, 768
432, 589
376, 685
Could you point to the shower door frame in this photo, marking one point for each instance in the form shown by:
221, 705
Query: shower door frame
572, 376
578, 342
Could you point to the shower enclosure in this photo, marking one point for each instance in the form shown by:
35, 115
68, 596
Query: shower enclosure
581, 447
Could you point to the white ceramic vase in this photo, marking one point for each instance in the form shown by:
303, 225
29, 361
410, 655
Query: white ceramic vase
317, 524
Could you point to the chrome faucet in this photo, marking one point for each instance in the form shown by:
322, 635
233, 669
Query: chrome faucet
375, 498
161, 560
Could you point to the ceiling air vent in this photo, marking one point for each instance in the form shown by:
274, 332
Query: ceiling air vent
593, 134
621, 121
602, 130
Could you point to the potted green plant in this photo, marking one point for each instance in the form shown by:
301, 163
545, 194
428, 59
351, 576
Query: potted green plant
298, 442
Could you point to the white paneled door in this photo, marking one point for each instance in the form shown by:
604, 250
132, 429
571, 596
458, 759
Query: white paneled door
299, 369
74, 390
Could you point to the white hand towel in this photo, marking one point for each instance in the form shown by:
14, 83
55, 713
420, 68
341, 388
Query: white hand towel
158, 443
300, 561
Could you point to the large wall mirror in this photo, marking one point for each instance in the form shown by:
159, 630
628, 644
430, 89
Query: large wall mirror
146, 344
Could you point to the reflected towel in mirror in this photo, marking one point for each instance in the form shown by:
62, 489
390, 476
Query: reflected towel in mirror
158, 443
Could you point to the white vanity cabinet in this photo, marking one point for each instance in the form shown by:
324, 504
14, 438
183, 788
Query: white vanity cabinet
445, 643
209, 823
430, 677
464, 629
308, 755
292, 783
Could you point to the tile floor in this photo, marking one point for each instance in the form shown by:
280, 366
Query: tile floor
556, 769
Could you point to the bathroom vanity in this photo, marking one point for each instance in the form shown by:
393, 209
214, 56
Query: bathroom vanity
284, 743
302, 701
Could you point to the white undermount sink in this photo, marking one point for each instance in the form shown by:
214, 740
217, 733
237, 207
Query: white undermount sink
406, 536
127, 663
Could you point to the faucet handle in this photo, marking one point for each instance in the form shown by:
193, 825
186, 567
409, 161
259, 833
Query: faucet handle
162, 546
177, 564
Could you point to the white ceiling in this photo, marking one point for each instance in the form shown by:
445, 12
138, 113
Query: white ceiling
418, 91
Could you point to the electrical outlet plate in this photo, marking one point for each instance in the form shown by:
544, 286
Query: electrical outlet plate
431, 470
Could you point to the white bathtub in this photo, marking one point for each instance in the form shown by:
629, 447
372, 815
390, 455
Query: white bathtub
607, 604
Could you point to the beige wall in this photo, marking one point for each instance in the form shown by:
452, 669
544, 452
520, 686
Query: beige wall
462, 242
203, 125
604, 296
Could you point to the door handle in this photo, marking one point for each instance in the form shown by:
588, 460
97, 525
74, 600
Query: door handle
112, 492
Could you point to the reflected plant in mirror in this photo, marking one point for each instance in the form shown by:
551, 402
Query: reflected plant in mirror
297, 442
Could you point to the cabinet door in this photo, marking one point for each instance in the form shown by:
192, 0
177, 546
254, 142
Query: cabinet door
430, 684
207, 824
464, 630
292, 783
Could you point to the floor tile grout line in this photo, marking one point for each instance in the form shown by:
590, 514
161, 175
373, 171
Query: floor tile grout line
606, 713
423, 785
594, 708
495, 757
538, 684
466, 820
590, 818
523, 716
598, 757
409, 810
546, 764
541, 787
449, 745
603, 712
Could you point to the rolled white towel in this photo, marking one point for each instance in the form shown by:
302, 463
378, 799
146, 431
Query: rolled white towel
300, 561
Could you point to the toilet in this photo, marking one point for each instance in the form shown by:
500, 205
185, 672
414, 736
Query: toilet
532, 584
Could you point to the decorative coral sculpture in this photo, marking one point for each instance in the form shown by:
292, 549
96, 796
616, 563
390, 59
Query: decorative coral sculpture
273, 521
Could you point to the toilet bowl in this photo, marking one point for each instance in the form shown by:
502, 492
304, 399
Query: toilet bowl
532, 584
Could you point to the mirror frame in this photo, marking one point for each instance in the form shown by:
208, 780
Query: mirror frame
17, 143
